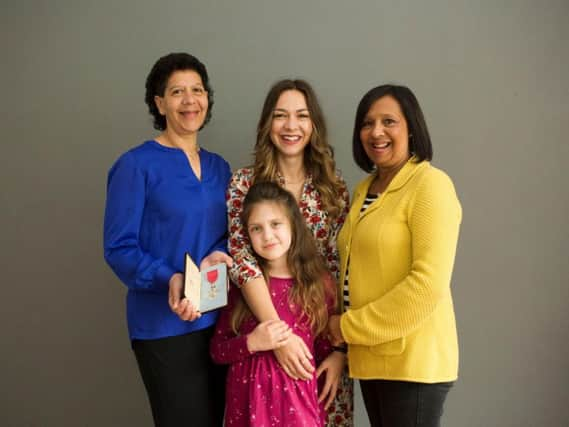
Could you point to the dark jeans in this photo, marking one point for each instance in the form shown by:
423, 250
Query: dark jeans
183, 385
404, 404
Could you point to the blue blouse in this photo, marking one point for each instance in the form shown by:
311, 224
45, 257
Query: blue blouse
156, 211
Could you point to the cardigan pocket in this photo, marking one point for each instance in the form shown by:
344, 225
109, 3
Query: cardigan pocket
390, 348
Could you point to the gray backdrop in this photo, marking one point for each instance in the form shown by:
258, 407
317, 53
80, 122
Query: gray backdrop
491, 77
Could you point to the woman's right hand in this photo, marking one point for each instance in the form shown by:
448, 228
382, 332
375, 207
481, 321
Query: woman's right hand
334, 330
268, 335
295, 358
181, 306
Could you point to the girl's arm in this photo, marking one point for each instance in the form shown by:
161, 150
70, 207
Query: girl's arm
226, 347
268, 335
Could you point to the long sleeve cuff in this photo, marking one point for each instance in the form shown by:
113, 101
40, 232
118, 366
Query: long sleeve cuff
231, 351
163, 275
240, 348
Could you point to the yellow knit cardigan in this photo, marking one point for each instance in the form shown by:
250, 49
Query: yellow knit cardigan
401, 324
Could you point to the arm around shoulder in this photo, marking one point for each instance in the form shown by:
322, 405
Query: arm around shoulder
245, 265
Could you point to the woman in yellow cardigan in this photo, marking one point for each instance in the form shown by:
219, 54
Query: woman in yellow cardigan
397, 250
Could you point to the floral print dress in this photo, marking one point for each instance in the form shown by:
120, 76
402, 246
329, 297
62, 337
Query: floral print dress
245, 267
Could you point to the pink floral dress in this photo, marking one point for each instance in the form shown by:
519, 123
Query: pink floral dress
245, 267
258, 392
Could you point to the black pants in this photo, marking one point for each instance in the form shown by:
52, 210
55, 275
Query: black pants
183, 385
404, 404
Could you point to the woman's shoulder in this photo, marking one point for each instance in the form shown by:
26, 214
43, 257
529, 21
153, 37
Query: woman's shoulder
213, 155
150, 148
246, 172
435, 187
136, 156
243, 176
215, 160
432, 176
239, 185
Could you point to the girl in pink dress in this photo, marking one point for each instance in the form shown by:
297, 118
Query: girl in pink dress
258, 391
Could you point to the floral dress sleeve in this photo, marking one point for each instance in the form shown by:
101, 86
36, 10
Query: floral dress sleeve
245, 266
225, 346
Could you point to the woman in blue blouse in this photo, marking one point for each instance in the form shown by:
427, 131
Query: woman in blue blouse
166, 197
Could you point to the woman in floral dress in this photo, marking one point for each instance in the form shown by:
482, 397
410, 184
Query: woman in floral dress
292, 150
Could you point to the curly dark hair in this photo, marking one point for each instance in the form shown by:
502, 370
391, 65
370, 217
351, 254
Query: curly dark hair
419, 139
158, 79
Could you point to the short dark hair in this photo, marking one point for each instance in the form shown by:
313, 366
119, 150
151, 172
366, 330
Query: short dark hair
419, 139
158, 79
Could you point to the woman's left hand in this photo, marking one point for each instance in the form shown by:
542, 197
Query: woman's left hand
333, 366
216, 257
181, 306
334, 330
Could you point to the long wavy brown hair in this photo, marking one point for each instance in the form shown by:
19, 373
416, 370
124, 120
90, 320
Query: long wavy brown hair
318, 154
311, 290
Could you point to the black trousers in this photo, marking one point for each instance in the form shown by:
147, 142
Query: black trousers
404, 404
183, 385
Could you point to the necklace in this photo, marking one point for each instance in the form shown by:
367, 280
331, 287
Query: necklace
193, 154
288, 182
298, 180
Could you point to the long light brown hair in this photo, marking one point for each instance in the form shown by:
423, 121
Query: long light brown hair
318, 154
310, 291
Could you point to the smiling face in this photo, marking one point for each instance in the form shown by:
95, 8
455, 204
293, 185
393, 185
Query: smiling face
184, 103
269, 231
291, 125
384, 134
